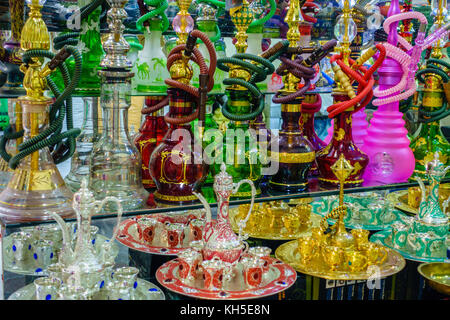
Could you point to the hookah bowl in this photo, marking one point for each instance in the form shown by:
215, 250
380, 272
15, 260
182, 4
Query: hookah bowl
115, 163
12, 60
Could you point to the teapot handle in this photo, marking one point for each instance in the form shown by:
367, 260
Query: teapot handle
100, 205
243, 223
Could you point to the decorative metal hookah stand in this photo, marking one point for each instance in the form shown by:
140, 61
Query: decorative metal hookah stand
115, 163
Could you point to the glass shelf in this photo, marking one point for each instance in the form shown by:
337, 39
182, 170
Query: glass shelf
314, 191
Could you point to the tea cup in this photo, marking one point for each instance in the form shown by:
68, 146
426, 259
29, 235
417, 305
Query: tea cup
190, 260
196, 229
216, 274
399, 234
43, 252
21, 245
146, 229
356, 261
291, 222
333, 256
361, 237
306, 248
46, 288
175, 235
253, 269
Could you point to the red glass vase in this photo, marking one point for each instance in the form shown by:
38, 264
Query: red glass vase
341, 143
150, 136
176, 164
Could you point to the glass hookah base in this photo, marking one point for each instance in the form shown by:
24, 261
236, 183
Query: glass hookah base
13, 91
87, 92
22, 206
151, 88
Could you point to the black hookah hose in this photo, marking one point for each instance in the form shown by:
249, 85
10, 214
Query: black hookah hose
259, 68
61, 109
71, 38
434, 66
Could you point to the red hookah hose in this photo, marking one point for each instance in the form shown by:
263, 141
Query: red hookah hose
309, 7
314, 106
365, 83
197, 57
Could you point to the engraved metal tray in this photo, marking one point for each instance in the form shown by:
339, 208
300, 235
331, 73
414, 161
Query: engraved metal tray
278, 278
384, 238
278, 234
288, 253
144, 291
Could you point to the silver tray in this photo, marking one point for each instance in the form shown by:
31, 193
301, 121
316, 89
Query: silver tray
144, 291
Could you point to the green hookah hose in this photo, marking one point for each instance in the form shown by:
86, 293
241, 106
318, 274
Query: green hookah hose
220, 6
263, 20
54, 130
258, 74
160, 6
71, 38
432, 66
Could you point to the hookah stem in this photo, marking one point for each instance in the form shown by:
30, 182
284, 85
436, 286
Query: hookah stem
71, 38
431, 67
365, 82
40, 141
259, 74
189, 48
159, 7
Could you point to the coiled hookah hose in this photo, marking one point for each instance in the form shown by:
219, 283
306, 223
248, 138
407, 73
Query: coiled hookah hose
71, 38
206, 75
434, 66
59, 111
220, 6
302, 69
408, 60
259, 68
356, 72
159, 7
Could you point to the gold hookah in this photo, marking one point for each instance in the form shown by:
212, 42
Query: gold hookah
36, 186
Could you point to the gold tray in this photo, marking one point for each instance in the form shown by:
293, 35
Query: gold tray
279, 234
400, 201
287, 253
437, 275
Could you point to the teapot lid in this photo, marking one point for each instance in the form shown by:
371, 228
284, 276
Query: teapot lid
435, 167
223, 181
83, 197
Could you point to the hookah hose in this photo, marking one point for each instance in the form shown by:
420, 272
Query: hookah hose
432, 67
408, 60
259, 69
309, 7
40, 141
263, 20
159, 7
220, 5
302, 69
71, 38
365, 80
206, 76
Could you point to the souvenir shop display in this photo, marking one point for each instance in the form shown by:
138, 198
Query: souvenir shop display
178, 149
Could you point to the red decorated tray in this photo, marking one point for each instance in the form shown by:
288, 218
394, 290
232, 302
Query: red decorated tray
279, 278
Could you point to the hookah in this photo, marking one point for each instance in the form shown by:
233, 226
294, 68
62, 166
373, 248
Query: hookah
9, 53
177, 172
386, 143
434, 96
296, 154
115, 163
150, 67
36, 187
346, 103
245, 103
307, 11
87, 40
